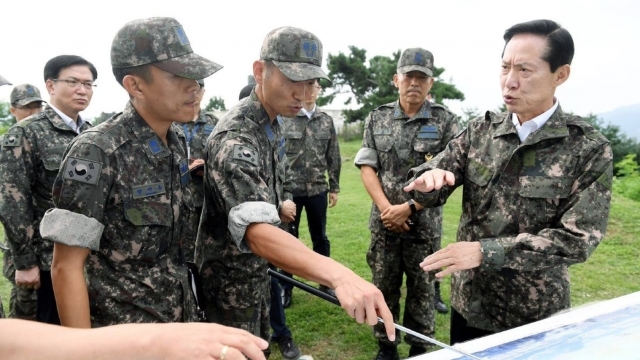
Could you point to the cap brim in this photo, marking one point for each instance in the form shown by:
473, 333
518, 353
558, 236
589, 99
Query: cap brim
299, 71
190, 66
27, 101
410, 68
4, 81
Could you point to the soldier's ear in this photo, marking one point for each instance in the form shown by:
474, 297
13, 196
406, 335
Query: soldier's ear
132, 85
259, 71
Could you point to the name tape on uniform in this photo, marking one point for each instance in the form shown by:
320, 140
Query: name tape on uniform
84, 171
146, 190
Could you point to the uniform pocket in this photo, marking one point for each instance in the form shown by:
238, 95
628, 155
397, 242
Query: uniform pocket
293, 142
541, 197
153, 222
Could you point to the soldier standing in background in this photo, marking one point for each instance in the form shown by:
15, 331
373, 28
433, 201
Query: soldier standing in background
31, 155
196, 133
312, 153
397, 137
25, 101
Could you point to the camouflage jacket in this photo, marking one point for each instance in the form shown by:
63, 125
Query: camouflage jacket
244, 181
536, 207
196, 133
121, 175
393, 144
312, 151
29, 161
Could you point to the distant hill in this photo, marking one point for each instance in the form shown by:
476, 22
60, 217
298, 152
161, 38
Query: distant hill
627, 118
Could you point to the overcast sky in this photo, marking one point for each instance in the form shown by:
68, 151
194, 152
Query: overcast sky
464, 36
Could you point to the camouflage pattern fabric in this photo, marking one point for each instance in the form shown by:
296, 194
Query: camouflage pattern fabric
416, 59
400, 143
122, 175
296, 52
160, 41
312, 152
536, 207
196, 133
31, 155
22, 302
245, 160
25, 94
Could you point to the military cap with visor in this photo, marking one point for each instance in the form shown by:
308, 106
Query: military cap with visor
416, 59
25, 94
161, 42
297, 53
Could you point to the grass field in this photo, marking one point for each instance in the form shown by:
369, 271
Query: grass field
326, 332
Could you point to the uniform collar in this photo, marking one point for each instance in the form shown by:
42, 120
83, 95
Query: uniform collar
423, 113
68, 120
153, 146
201, 118
555, 127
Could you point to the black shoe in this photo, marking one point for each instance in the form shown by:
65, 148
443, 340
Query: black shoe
288, 348
286, 298
438, 304
416, 350
327, 290
387, 352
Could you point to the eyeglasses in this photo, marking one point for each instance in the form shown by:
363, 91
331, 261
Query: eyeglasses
73, 83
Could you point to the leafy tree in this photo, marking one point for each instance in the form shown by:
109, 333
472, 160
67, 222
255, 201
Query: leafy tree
371, 84
6, 119
215, 103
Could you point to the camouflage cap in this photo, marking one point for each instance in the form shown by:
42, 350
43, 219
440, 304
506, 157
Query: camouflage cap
160, 41
25, 94
4, 81
416, 59
296, 52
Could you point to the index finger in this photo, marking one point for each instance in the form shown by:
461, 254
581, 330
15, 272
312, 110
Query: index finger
387, 318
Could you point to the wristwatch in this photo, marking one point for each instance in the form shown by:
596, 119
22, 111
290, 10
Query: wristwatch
412, 205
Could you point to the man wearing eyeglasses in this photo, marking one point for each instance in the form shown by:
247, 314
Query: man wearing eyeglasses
25, 101
31, 155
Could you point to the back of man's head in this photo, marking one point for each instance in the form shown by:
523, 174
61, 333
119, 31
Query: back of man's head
54, 66
246, 91
560, 48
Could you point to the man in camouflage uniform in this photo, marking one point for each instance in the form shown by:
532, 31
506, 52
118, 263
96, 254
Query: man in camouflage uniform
312, 152
31, 155
536, 193
3, 81
120, 195
196, 133
25, 101
244, 198
397, 137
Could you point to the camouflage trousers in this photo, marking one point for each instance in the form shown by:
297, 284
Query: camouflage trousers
22, 302
390, 256
190, 233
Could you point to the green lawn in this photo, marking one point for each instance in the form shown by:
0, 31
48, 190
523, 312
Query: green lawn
326, 332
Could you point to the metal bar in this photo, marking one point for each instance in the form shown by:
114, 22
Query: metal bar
334, 300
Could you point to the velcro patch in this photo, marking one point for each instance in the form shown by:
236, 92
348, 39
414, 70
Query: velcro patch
245, 153
84, 171
146, 190
182, 36
208, 129
154, 145
309, 49
12, 140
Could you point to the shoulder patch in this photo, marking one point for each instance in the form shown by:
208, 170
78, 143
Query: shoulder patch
84, 171
246, 154
12, 140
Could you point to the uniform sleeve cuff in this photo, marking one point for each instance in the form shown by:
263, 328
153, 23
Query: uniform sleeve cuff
368, 157
25, 262
493, 254
72, 229
248, 213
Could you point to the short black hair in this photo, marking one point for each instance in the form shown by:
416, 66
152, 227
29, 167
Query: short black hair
144, 71
54, 66
246, 91
560, 47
